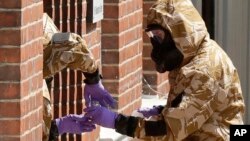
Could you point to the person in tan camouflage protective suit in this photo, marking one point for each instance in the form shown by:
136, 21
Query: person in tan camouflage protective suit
205, 95
69, 50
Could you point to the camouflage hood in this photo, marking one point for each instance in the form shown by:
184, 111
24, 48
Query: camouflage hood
183, 21
206, 86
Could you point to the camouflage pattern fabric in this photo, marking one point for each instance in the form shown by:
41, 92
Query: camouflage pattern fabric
60, 51
47, 112
67, 50
49, 29
212, 98
46, 119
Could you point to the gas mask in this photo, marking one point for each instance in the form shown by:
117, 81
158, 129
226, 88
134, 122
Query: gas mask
164, 53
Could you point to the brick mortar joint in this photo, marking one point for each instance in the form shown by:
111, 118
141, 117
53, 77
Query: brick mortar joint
125, 15
123, 78
128, 105
21, 9
22, 26
24, 116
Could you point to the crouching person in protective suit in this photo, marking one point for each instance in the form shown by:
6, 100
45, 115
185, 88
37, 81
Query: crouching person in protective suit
205, 95
69, 50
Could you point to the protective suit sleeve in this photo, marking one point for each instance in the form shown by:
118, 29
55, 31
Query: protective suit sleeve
132, 126
67, 50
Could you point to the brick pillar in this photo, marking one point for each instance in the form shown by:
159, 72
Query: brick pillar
153, 82
21, 70
67, 86
122, 52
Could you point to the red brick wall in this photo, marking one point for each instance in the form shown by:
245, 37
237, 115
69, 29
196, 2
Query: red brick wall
116, 43
153, 82
21, 70
122, 52
121, 42
67, 86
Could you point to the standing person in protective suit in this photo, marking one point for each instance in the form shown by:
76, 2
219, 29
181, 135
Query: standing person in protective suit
69, 50
205, 95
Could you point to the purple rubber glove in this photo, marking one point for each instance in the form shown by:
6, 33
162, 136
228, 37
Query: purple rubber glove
73, 123
101, 116
97, 92
148, 112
